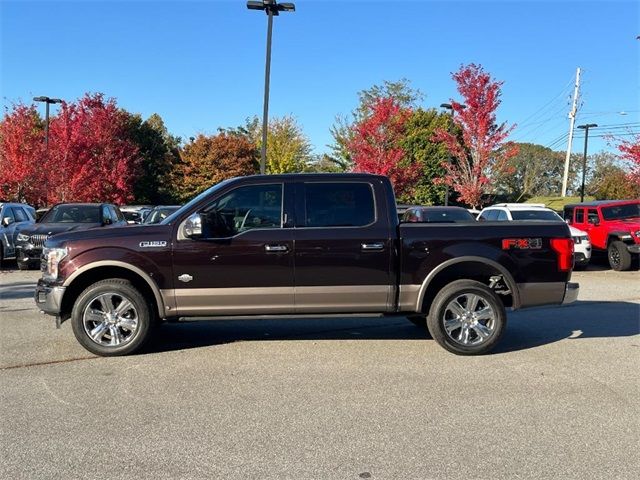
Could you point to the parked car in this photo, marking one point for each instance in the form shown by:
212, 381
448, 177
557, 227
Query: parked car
437, 215
159, 213
613, 227
401, 208
41, 213
538, 212
135, 213
64, 217
12, 217
233, 249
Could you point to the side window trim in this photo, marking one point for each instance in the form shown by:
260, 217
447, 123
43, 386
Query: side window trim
301, 217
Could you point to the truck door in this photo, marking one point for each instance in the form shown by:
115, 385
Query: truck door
243, 263
343, 247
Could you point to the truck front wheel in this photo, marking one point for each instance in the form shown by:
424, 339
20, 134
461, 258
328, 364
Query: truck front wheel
467, 318
619, 256
110, 318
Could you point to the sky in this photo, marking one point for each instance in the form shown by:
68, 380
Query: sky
200, 64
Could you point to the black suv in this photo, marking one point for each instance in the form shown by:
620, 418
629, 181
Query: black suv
64, 217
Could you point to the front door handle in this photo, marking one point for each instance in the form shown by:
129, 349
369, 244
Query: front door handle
276, 248
372, 246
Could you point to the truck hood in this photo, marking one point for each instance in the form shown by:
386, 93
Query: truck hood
629, 225
56, 228
108, 235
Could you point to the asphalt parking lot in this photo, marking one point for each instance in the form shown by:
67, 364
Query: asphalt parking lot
327, 398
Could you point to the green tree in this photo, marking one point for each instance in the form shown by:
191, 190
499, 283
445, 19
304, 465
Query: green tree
420, 148
399, 91
534, 171
207, 160
608, 179
159, 152
288, 148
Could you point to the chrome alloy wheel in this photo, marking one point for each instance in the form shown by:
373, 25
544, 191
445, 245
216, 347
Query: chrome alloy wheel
469, 319
110, 319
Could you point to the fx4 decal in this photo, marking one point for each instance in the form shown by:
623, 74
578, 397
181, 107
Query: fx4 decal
521, 243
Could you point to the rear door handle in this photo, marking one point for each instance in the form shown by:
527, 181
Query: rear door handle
276, 248
372, 246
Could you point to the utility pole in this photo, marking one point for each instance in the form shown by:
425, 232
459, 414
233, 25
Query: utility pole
584, 158
572, 121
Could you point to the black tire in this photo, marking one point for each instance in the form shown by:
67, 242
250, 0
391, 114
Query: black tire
118, 288
476, 344
418, 320
619, 257
1, 255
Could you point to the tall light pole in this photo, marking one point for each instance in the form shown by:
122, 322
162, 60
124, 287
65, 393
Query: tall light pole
584, 158
271, 8
448, 106
48, 101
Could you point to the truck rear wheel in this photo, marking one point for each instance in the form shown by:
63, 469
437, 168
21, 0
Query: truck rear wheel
111, 318
467, 318
619, 256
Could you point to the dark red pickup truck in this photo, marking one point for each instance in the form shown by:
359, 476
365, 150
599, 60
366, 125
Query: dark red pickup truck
303, 244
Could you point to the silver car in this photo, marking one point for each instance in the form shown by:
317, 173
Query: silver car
13, 216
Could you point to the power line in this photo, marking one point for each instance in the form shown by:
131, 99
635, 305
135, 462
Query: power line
564, 90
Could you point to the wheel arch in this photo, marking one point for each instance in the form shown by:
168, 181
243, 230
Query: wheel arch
77, 282
467, 267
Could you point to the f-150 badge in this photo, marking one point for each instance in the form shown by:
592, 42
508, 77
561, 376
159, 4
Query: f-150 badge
156, 243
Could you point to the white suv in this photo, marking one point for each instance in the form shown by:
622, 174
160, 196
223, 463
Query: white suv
538, 211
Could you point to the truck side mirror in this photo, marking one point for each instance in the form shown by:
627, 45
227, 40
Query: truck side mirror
6, 221
193, 226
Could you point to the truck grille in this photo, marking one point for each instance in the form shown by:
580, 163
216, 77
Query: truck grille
38, 240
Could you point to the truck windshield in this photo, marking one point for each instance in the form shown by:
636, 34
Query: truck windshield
194, 201
535, 215
73, 214
620, 212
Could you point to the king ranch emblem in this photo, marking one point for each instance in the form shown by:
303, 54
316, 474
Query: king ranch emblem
155, 243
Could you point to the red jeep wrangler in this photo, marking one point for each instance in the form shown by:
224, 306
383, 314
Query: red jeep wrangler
612, 225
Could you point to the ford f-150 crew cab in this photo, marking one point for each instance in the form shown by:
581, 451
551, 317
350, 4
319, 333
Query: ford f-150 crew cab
302, 244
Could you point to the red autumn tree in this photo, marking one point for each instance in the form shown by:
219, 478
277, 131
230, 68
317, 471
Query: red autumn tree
630, 151
21, 155
375, 146
91, 155
482, 153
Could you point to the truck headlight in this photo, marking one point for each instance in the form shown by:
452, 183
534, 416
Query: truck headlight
51, 258
22, 237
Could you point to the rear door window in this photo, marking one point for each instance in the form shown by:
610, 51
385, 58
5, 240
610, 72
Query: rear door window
592, 216
579, 215
490, 215
343, 204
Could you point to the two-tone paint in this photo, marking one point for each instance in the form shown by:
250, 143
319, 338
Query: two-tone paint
383, 267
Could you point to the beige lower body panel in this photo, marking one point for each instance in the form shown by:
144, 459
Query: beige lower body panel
343, 299
280, 300
408, 298
233, 301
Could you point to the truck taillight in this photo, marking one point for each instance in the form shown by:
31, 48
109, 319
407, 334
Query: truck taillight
564, 249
